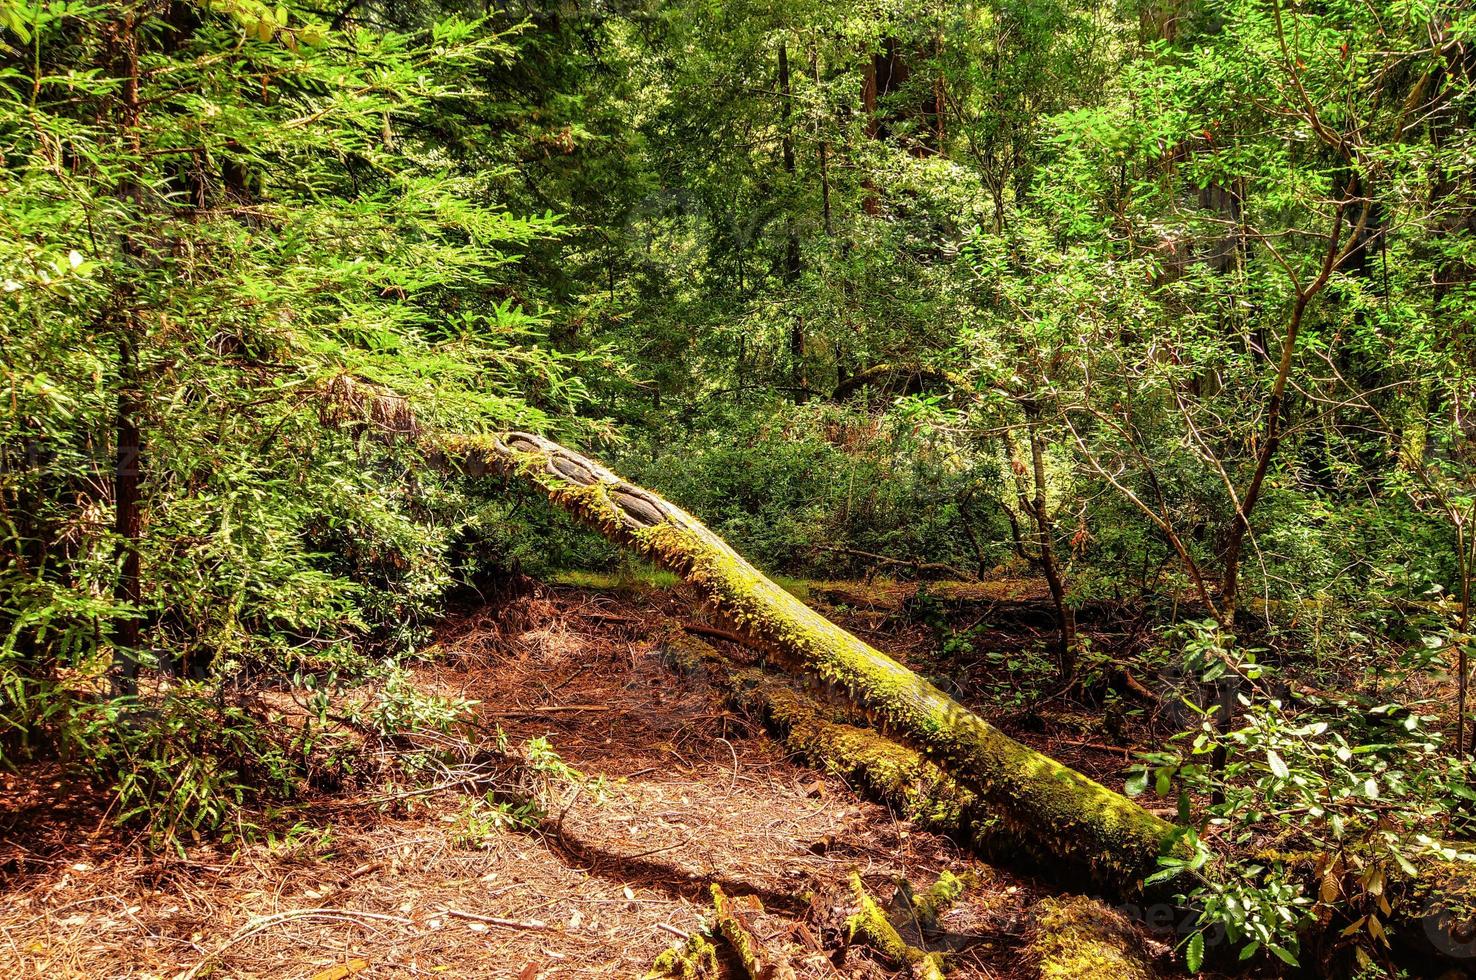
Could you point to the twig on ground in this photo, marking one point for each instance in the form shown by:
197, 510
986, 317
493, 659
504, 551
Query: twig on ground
532, 925
266, 922
1125, 752
674, 931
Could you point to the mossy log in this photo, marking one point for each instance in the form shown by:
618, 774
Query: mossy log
939, 897
1078, 938
697, 957
1066, 821
1065, 818
732, 924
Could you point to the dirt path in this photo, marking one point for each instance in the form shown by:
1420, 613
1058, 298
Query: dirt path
692, 795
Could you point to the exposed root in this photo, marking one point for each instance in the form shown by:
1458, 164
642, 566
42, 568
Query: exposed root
1078, 938
871, 927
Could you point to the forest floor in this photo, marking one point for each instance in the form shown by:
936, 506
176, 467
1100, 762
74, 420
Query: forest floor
693, 794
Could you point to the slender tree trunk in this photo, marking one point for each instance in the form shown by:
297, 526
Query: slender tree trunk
823, 152
981, 567
1270, 442
1466, 558
1336, 254
1033, 503
870, 204
127, 522
799, 382
1045, 531
128, 519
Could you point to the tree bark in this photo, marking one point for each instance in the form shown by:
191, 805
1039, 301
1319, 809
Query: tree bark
1064, 818
127, 515
823, 150
792, 267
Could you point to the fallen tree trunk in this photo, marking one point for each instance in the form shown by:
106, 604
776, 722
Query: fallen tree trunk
1063, 817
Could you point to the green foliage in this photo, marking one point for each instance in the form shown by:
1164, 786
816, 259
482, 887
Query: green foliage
1336, 798
399, 706
542, 773
807, 488
228, 228
1176, 301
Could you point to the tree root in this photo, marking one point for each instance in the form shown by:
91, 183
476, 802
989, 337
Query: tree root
1078, 938
697, 957
870, 926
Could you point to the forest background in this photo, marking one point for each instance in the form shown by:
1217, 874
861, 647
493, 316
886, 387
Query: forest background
1168, 303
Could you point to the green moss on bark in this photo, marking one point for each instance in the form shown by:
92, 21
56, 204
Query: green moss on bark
869, 926
940, 896
693, 960
1077, 938
736, 933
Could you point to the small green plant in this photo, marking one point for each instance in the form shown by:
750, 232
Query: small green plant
301, 840
525, 801
400, 706
483, 817
182, 765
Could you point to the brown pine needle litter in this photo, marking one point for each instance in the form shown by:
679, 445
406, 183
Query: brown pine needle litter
388, 884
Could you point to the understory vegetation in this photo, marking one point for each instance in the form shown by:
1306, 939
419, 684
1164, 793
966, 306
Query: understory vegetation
1123, 351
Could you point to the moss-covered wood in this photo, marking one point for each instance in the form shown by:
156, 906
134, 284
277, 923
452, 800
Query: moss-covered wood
1058, 813
695, 959
732, 924
870, 926
940, 896
1078, 938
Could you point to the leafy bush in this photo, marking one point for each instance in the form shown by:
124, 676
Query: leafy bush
1335, 798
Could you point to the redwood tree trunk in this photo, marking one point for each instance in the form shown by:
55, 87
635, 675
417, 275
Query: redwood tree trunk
792, 268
